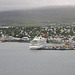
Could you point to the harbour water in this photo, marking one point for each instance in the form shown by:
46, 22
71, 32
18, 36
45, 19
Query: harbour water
18, 59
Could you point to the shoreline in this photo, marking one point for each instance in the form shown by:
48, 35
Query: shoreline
26, 41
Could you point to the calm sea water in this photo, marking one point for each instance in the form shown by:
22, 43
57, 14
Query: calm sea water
18, 59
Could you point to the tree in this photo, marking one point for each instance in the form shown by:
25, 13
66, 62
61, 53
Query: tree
74, 38
0, 35
71, 33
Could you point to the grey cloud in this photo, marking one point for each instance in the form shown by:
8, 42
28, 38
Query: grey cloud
19, 4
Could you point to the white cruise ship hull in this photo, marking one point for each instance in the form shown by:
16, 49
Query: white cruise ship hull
35, 47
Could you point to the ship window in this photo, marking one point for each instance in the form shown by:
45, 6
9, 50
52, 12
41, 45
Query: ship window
34, 42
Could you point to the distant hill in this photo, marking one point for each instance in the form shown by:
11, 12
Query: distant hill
62, 14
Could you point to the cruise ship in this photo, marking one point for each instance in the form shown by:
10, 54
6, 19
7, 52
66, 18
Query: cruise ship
37, 43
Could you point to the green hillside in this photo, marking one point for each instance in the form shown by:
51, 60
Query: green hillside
39, 16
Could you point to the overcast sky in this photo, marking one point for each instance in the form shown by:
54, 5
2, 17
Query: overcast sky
27, 4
